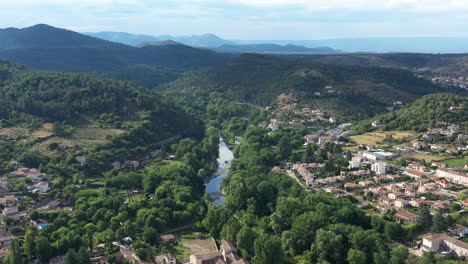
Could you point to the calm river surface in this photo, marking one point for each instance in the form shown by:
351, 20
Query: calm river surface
213, 186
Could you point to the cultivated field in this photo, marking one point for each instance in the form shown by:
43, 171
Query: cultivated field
46, 130
14, 132
457, 163
373, 137
427, 157
96, 133
190, 246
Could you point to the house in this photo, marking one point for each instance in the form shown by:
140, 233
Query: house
442, 242
129, 255
384, 208
100, 260
385, 200
379, 167
377, 123
396, 195
460, 230
354, 164
437, 148
169, 238
366, 183
312, 138
309, 181
417, 166
444, 184
438, 164
10, 210
350, 185
406, 217
227, 253
414, 173
453, 176
332, 120
33, 174
5, 239
324, 139
169, 258
57, 260
418, 202
401, 203
332, 190
133, 164
82, 160
117, 165
441, 205
8, 201
41, 187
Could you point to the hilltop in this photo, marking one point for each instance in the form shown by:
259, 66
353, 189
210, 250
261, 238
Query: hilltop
272, 48
351, 92
445, 64
43, 47
426, 112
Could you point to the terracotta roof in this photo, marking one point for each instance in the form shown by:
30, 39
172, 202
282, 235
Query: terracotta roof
228, 246
450, 239
459, 228
405, 215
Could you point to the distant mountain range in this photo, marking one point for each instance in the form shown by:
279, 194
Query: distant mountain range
273, 48
349, 45
206, 40
44, 47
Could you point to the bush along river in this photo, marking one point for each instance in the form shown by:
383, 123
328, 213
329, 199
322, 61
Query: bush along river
213, 187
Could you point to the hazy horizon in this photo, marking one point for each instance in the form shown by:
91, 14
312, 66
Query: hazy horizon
248, 19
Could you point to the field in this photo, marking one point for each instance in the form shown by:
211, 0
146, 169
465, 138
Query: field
373, 137
46, 130
95, 133
14, 132
86, 137
427, 157
190, 246
457, 163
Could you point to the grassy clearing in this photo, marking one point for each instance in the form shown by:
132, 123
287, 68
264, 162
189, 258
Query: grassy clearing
14, 132
196, 246
96, 133
427, 157
457, 163
46, 130
43, 147
352, 149
373, 137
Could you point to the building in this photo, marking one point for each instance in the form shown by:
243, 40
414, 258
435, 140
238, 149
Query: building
379, 168
41, 187
418, 202
5, 239
169, 259
169, 238
227, 254
33, 174
10, 210
401, 203
453, 176
414, 173
442, 242
8, 201
377, 123
129, 255
366, 183
100, 260
444, 184
438, 164
460, 230
354, 164
406, 217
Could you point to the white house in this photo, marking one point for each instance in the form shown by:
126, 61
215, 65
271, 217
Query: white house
379, 167
460, 230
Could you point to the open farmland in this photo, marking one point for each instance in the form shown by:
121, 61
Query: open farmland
373, 138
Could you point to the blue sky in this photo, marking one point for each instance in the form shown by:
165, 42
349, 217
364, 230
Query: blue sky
247, 19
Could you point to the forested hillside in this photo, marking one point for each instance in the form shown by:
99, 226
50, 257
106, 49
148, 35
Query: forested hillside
356, 92
438, 64
424, 113
43, 47
76, 99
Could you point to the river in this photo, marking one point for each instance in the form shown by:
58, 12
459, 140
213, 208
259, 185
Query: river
224, 160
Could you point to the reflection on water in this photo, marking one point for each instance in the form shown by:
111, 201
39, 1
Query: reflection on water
224, 161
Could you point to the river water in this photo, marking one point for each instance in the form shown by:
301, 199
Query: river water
224, 160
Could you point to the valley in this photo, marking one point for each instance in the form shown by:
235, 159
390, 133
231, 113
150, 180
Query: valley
174, 154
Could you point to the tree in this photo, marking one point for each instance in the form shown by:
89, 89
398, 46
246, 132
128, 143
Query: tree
439, 224
425, 217
83, 256
284, 147
14, 255
349, 156
454, 207
329, 246
268, 250
394, 231
245, 242
356, 257
398, 255
231, 229
71, 257
29, 244
150, 235
43, 249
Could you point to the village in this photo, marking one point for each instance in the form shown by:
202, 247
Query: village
459, 82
